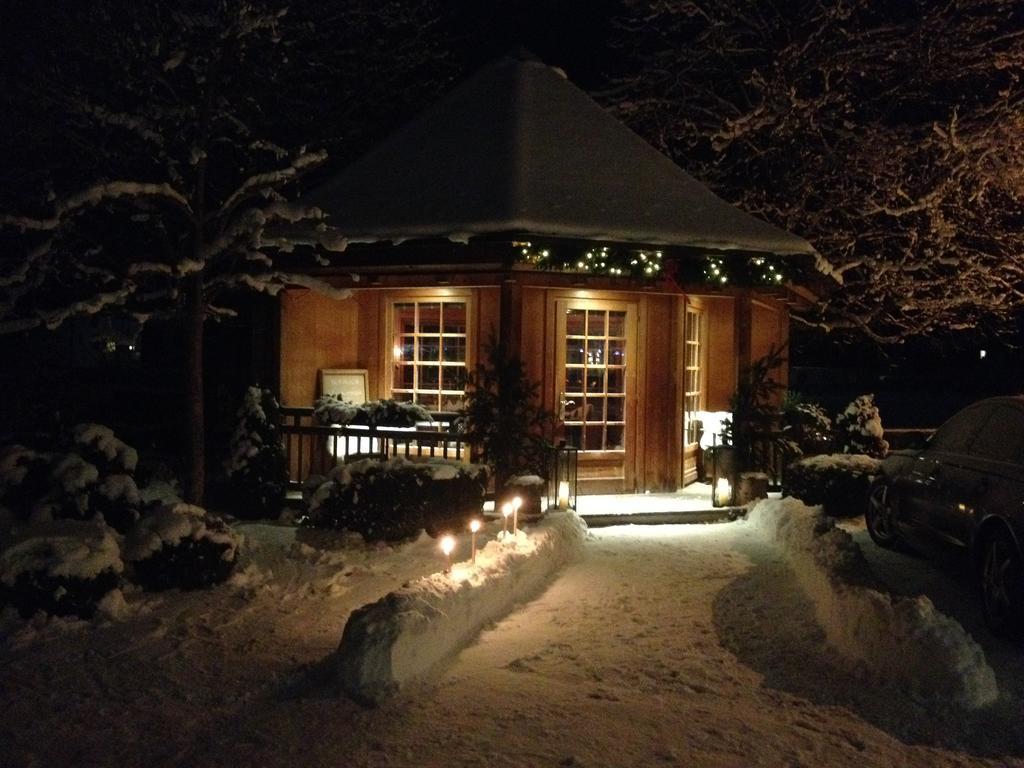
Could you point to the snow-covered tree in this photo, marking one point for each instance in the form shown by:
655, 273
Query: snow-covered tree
891, 135
859, 429
257, 466
152, 149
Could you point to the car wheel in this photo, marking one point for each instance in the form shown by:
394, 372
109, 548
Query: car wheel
880, 516
1002, 585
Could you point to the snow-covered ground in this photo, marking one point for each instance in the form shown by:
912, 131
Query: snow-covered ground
662, 645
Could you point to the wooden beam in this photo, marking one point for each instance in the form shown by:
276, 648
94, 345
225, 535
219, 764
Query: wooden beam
742, 329
510, 320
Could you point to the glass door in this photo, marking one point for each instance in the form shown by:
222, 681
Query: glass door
596, 375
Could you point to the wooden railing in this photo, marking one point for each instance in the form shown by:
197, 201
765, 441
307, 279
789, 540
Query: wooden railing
770, 455
314, 449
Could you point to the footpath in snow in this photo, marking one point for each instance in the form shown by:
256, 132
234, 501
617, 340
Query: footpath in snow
686, 645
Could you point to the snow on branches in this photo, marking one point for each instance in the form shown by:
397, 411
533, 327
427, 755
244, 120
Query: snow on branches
168, 171
889, 135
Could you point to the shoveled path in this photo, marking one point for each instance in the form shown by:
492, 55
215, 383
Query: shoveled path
664, 645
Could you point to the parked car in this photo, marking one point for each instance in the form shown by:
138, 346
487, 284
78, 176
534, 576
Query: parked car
964, 489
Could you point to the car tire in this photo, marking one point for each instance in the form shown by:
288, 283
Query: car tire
1001, 575
880, 515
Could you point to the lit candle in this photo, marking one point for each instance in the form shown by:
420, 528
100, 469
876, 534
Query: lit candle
516, 504
723, 492
506, 510
447, 546
563, 495
474, 526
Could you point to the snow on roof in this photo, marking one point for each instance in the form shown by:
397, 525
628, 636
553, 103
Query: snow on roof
517, 148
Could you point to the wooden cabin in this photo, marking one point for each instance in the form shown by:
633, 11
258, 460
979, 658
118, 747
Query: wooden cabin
517, 209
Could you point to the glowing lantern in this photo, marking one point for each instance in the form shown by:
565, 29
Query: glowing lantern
448, 546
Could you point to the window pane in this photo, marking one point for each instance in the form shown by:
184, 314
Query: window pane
453, 377
616, 380
574, 322
615, 441
595, 408
405, 318
595, 352
573, 352
407, 348
430, 318
404, 376
454, 317
617, 352
402, 397
573, 380
595, 380
594, 438
595, 322
451, 402
573, 436
430, 348
454, 348
430, 377
427, 401
617, 324
616, 409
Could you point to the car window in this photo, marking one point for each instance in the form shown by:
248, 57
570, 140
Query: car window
1002, 436
955, 435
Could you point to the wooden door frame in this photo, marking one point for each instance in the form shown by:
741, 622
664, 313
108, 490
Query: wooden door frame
631, 461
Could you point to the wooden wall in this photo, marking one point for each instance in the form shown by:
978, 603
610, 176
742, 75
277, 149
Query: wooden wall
770, 328
720, 381
318, 332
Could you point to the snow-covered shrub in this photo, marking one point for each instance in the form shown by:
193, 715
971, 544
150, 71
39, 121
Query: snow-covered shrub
97, 444
331, 409
257, 467
94, 476
24, 479
859, 429
62, 568
117, 498
393, 499
180, 546
838, 482
806, 425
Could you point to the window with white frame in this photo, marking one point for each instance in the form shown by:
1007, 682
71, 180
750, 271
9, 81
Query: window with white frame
429, 352
693, 397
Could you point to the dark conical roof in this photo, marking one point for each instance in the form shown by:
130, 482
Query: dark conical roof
518, 149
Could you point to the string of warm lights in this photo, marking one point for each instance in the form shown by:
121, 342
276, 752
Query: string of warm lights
648, 265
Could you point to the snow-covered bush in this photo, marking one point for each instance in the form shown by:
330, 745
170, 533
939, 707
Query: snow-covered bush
393, 499
331, 409
94, 476
97, 444
838, 482
257, 465
180, 546
859, 429
62, 568
806, 425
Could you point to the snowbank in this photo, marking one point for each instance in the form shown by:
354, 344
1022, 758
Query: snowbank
404, 634
906, 641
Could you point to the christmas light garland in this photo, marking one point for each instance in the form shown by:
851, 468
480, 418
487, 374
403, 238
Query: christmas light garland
645, 264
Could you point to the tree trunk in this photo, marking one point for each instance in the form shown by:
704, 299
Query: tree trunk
195, 314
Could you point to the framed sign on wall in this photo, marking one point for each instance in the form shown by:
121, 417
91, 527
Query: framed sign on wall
347, 383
